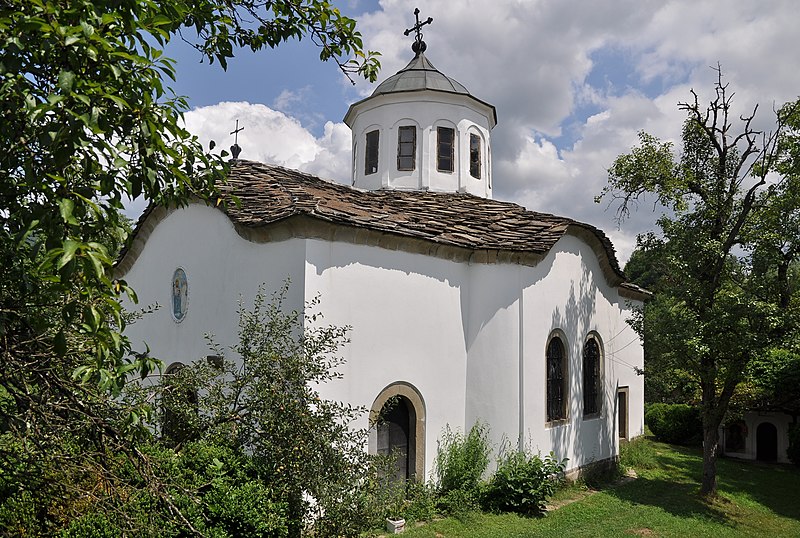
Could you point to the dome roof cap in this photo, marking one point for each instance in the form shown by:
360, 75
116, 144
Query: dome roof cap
420, 74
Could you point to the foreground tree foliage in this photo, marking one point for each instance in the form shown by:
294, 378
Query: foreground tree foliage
260, 403
89, 122
244, 445
724, 299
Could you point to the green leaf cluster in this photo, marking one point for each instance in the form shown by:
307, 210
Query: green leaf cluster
523, 483
260, 401
461, 460
678, 424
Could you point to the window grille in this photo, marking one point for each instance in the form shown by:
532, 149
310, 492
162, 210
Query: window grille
556, 410
445, 149
406, 147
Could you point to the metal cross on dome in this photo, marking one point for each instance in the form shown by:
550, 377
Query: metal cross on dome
419, 45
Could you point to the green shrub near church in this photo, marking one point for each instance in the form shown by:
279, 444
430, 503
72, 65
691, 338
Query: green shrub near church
523, 482
260, 402
678, 424
461, 460
206, 488
216, 489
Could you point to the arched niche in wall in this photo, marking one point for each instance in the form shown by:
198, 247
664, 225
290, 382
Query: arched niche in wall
178, 403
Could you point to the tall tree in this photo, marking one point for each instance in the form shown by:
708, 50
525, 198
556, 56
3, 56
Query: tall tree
718, 311
88, 122
667, 380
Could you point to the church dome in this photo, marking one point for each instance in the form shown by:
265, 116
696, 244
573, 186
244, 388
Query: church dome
420, 74
422, 130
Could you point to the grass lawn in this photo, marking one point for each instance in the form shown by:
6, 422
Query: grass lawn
755, 500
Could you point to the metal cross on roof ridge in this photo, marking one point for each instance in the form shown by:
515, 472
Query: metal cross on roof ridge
235, 149
419, 44
236, 132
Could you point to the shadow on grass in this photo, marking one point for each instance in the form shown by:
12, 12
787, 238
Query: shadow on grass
673, 485
680, 499
773, 486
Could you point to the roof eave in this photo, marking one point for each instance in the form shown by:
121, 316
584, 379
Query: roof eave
349, 117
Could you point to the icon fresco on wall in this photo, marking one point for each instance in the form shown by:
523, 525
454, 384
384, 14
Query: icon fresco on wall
180, 294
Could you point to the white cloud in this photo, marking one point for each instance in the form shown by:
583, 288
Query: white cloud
287, 100
273, 137
565, 109
533, 59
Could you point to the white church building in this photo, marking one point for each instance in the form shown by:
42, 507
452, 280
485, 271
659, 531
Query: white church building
466, 308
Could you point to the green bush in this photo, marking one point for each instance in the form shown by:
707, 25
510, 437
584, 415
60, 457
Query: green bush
459, 503
793, 452
523, 483
216, 488
91, 525
678, 424
420, 502
462, 459
637, 454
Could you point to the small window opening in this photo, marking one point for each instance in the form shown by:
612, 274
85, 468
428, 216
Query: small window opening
475, 156
406, 147
445, 147
622, 412
371, 156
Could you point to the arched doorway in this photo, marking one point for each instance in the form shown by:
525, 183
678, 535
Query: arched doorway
396, 436
766, 442
398, 419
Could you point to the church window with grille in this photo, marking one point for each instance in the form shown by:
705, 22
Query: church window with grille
406, 147
371, 154
475, 156
591, 376
445, 148
556, 380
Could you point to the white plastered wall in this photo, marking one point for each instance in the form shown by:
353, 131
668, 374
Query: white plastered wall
469, 337
221, 267
406, 315
574, 298
506, 382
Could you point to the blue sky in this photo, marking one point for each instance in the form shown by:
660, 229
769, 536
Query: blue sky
573, 81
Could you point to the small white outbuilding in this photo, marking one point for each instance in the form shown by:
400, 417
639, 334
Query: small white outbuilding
465, 308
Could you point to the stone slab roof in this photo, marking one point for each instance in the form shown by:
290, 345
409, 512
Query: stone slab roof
270, 194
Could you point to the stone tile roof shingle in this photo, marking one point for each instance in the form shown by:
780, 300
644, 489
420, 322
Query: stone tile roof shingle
269, 194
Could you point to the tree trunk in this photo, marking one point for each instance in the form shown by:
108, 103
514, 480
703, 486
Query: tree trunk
296, 514
708, 486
